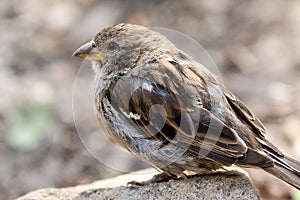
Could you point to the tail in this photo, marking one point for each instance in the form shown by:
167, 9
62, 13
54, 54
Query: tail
286, 169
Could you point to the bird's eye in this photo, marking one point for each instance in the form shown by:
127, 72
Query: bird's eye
112, 46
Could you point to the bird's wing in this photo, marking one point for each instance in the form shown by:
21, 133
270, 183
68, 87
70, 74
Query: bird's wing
162, 108
245, 114
253, 156
254, 123
236, 104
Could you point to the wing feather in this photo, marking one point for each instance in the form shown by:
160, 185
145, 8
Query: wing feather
241, 110
181, 123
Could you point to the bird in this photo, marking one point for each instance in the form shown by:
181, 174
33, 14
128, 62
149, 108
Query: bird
166, 108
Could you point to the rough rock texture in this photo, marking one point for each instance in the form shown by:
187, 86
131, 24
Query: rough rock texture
229, 185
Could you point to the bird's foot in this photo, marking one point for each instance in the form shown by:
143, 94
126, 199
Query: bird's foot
158, 178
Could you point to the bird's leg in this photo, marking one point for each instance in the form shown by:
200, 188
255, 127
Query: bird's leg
158, 178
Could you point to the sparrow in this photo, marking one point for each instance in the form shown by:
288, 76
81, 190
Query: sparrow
163, 106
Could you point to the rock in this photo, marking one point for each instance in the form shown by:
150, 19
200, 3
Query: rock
227, 185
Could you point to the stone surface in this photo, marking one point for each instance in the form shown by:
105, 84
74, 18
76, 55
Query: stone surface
224, 186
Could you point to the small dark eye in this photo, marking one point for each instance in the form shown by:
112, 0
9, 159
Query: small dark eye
112, 46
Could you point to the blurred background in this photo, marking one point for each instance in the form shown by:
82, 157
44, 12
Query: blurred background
255, 44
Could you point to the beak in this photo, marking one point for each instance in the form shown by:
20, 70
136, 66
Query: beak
87, 51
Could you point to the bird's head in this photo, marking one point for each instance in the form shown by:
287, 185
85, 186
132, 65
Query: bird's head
122, 46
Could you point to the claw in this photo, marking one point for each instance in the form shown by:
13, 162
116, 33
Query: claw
158, 178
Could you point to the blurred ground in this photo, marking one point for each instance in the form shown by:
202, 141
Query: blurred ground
255, 44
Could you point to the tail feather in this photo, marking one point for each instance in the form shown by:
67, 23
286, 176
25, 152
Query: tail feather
293, 163
283, 167
286, 169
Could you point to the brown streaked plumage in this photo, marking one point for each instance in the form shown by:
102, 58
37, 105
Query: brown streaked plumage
163, 106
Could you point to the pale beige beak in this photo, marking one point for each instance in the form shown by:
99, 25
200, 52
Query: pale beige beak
87, 51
